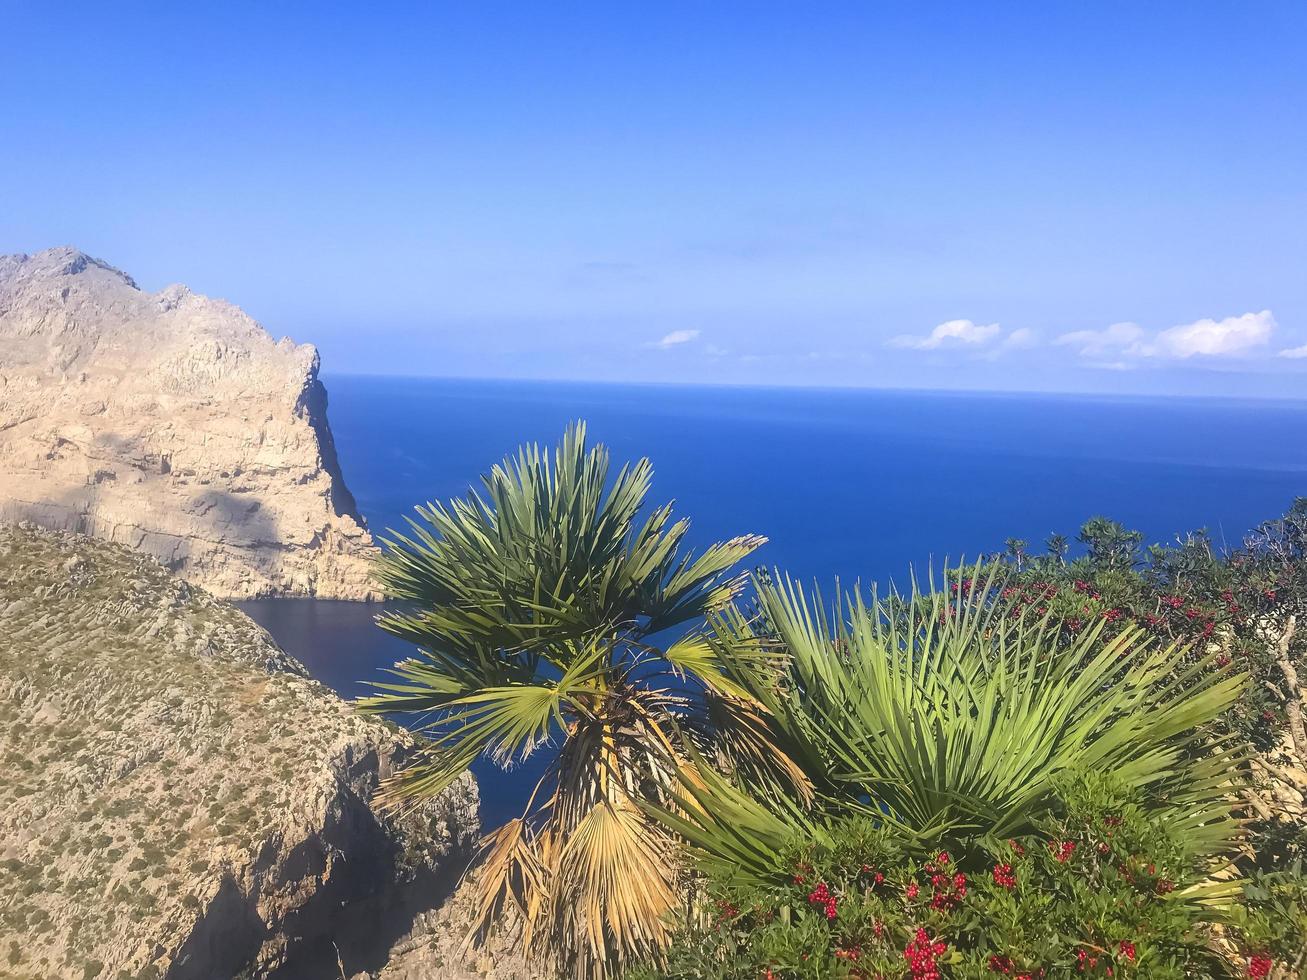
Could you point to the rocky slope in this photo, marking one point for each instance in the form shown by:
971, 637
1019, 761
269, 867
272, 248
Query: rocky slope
178, 800
436, 947
172, 423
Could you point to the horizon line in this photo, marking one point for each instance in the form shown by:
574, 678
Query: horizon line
839, 388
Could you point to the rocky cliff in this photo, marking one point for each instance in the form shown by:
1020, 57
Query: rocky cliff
178, 800
172, 423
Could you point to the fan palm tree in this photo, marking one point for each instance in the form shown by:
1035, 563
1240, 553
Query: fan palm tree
537, 607
952, 717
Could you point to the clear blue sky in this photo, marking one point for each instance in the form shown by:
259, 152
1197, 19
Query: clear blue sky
1036, 195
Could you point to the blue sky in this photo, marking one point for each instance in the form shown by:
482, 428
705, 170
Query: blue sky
1068, 196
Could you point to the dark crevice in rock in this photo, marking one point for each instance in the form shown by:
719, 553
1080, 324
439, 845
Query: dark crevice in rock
314, 404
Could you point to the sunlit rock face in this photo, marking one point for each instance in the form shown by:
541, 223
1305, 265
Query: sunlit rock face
172, 423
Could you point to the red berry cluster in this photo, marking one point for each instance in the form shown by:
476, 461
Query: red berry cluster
1260, 966
877, 877
1004, 965
1004, 876
948, 891
801, 872
1062, 851
821, 895
922, 954
1034, 596
727, 910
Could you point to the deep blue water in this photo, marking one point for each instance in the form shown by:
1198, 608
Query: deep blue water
857, 484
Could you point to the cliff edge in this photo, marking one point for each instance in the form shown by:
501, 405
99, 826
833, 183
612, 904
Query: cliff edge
179, 801
172, 423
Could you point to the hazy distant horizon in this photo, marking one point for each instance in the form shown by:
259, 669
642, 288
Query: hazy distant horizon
1241, 388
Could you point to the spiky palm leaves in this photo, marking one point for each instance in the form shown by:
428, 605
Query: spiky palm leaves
535, 606
953, 717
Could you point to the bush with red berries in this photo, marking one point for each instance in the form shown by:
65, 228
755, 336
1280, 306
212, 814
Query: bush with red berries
1105, 890
1238, 603
1190, 593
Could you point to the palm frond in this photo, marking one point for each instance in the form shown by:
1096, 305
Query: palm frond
940, 714
532, 601
615, 886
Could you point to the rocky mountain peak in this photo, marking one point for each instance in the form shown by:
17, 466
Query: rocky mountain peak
64, 260
174, 423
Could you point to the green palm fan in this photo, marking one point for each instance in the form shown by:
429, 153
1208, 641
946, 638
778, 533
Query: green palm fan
536, 605
949, 716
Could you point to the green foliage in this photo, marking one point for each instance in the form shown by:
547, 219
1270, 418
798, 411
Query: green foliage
1271, 922
1238, 604
819, 758
1187, 592
1104, 886
524, 599
536, 606
949, 719
1110, 545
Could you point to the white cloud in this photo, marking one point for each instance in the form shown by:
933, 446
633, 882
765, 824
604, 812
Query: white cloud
1118, 347
675, 339
1214, 338
1117, 339
953, 333
1121, 344
1020, 339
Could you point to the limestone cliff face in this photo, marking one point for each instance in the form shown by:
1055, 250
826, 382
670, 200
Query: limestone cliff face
179, 802
175, 424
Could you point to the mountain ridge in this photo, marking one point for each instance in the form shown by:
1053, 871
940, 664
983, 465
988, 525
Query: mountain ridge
173, 423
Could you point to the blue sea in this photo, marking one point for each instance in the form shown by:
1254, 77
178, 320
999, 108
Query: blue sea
860, 485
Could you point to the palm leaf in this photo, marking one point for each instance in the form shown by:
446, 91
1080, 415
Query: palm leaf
531, 601
943, 716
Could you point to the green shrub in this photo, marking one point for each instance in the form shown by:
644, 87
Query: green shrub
1188, 592
1242, 604
944, 716
1104, 887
